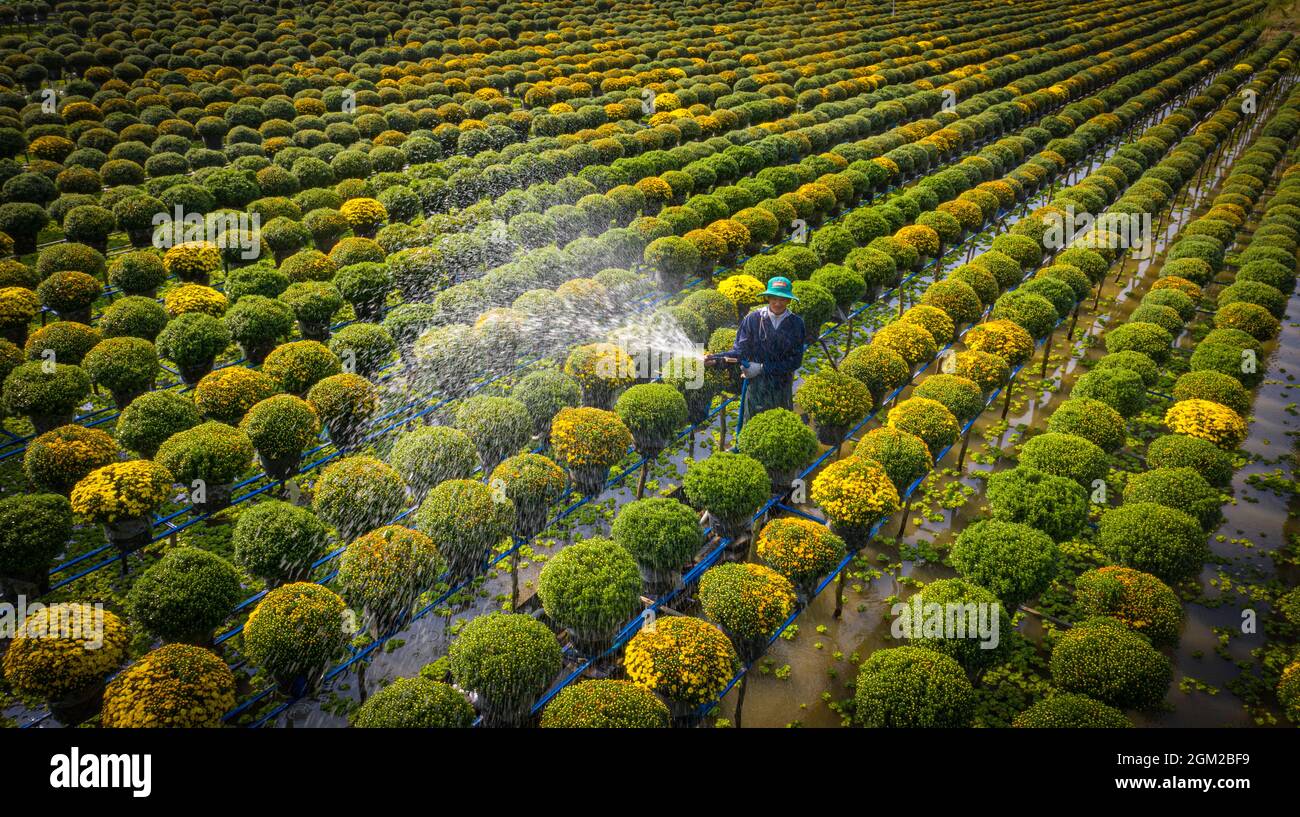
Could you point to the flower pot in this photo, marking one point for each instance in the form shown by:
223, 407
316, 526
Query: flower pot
698, 404
15, 333
670, 281
122, 399
781, 479
314, 330
530, 518
598, 395
48, 422
346, 432
589, 480
590, 642
256, 352
505, 714
216, 498
733, 529
684, 715
659, 581
747, 649
829, 434
855, 536
213, 142
129, 535
194, 278
369, 311
24, 243
298, 685
76, 315
77, 707
31, 585
280, 468
191, 375
141, 239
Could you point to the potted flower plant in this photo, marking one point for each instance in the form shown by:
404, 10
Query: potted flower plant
177, 686
294, 633
589, 442
280, 429
345, 403
854, 493
731, 488
686, 661
63, 653
383, 572
465, 519
507, 660
590, 588
749, 602
47, 393
835, 401
207, 458
532, 482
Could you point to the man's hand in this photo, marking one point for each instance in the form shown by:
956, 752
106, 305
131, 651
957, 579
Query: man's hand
752, 370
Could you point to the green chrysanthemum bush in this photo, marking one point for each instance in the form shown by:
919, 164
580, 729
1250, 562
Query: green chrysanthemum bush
508, 659
184, 596
1065, 710
1288, 691
213, 452
685, 660
661, 534
653, 412
1103, 659
415, 703
295, 632
1013, 560
748, 601
731, 487
879, 368
605, 704
590, 588
780, 441
428, 455
1066, 455
278, 541
1137, 599
1093, 420
958, 394
973, 652
904, 456
47, 398
912, 687
1182, 450
1058, 506
1148, 338
988, 371
1121, 389
280, 429
1181, 488
466, 519
176, 686
383, 572
1153, 538
357, 494
297, 366
1216, 387
34, 529
544, 393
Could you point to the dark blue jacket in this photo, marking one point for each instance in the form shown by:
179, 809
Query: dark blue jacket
780, 350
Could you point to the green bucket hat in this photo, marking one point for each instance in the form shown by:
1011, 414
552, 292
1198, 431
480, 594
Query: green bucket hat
781, 287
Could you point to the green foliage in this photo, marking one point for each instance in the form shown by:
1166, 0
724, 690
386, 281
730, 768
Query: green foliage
912, 687
184, 595
1103, 659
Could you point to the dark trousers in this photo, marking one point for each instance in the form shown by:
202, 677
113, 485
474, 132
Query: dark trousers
767, 392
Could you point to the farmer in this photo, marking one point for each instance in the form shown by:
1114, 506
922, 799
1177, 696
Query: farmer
770, 342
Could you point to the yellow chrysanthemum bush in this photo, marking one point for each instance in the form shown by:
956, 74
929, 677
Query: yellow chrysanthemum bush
63, 652
365, 216
685, 660
295, 633
195, 298
742, 290
855, 493
175, 686
122, 490
921, 238
192, 261
589, 441
383, 572
800, 549
1003, 338
748, 601
912, 341
601, 369
1207, 420
928, 419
